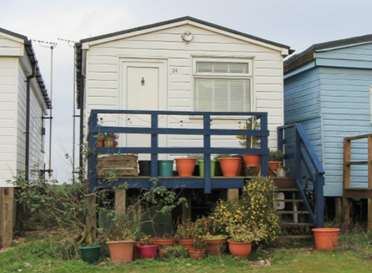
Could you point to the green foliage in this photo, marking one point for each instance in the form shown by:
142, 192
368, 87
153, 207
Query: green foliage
250, 141
174, 251
276, 155
254, 210
185, 230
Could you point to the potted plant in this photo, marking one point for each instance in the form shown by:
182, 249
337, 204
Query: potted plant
100, 141
241, 238
215, 243
164, 240
90, 248
121, 236
144, 167
212, 167
275, 162
146, 249
184, 234
165, 167
110, 140
171, 252
230, 165
198, 249
251, 160
326, 238
185, 166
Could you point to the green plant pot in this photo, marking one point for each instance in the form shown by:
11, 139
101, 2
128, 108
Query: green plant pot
165, 167
90, 254
201, 167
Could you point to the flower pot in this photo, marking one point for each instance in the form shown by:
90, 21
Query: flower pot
212, 168
252, 161
185, 166
121, 251
148, 251
214, 246
144, 167
186, 243
90, 254
274, 166
326, 238
100, 143
230, 165
240, 249
165, 167
196, 254
163, 241
109, 143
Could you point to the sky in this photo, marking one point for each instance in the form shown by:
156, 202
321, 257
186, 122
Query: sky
297, 23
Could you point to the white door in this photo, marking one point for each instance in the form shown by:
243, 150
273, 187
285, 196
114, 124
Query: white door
144, 89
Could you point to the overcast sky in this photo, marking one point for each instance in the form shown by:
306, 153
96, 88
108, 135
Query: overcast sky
293, 22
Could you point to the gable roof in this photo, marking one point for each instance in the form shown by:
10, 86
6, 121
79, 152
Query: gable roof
178, 20
308, 55
32, 58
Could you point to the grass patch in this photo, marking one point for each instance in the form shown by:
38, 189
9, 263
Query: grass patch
43, 254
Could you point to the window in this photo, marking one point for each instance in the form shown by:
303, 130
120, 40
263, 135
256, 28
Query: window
222, 85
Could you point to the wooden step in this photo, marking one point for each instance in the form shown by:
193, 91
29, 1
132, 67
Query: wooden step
292, 224
284, 182
286, 190
292, 212
289, 200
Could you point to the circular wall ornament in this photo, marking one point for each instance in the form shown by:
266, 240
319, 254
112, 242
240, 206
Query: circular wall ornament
187, 37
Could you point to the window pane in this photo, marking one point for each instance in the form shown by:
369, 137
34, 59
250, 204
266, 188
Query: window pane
221, 67
239, 98
221, 88
241, 68
204, 94
204, 67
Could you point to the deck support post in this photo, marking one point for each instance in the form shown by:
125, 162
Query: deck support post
7, 212
120, 202
232, 194
346, 207
338, 210
91, 219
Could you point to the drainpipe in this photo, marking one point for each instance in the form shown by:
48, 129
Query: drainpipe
27, 133
81, 137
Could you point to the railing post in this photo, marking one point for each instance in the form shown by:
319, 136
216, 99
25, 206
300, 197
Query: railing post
279, 137
92, 154
297, 156
319, 200
154, 144
207, 154
264, 146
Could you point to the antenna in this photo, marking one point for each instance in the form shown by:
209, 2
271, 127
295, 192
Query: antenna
51, 46
72, 43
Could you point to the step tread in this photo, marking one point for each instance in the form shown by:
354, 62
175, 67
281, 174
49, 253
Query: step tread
288, 200
293, 212
286, 189
292, 224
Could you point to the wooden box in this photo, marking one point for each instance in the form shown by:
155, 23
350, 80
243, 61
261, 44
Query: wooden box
117, 166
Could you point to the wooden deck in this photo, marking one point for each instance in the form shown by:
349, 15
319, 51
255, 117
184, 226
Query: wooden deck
350, 192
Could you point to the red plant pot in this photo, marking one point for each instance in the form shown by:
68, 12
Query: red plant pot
240, 249
186, 243
163, 241
185, 166
196, 254
274, 166
148, 251
326, 238
230, 166
252, 161
214, 247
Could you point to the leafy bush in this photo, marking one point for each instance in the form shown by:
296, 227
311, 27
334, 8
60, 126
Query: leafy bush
175, 251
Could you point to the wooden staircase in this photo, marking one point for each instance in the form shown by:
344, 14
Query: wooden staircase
294, 217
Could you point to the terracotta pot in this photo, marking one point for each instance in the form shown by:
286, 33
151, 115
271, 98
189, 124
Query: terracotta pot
163, 241
274, 166
186, 243
100, 143
196, 254
230, 165
148, 251
121, 251
240, 249
214, 247
252, 161
185, 166
325, 238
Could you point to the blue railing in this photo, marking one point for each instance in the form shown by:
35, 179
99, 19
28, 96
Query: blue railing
207, 182
303, 163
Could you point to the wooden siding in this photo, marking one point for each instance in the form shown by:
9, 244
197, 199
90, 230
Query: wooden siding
9, 47
103, 66
8, 118
345, 112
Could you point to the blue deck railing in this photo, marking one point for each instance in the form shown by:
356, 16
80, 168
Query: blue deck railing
303, 163
207, 182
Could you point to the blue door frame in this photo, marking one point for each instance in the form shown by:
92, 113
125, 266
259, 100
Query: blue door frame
207, 182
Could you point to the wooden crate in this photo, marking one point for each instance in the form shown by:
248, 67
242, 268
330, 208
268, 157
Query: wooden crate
109, 166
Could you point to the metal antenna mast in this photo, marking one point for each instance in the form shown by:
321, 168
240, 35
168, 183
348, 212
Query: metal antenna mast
72, 43
51, 46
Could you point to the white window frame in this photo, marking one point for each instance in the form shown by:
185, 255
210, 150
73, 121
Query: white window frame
208, 75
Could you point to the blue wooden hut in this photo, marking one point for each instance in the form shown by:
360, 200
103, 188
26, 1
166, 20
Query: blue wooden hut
328, 89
